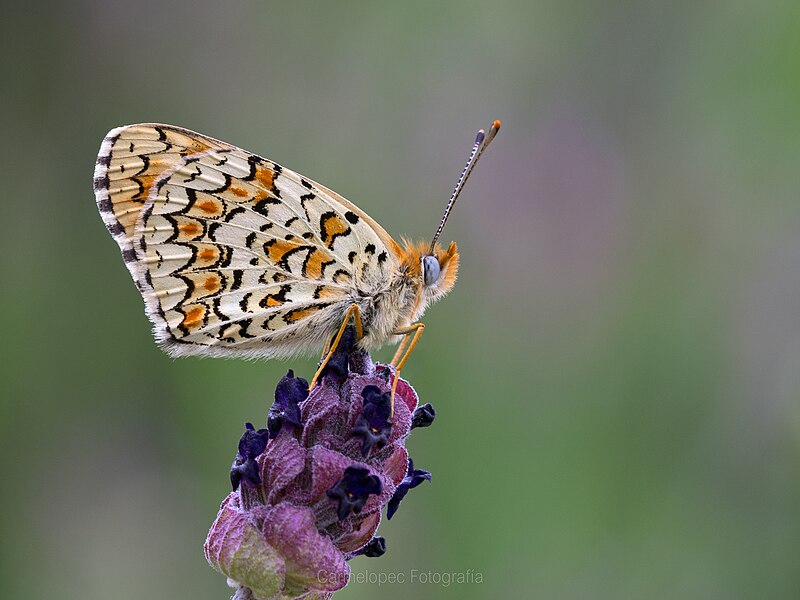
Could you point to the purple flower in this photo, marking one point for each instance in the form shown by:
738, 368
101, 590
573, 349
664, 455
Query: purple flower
291, 391
375, 548
353, 489
423, 416
373, 425
316, 483
251, 445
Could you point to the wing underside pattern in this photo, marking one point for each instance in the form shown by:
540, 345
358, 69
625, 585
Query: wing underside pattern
233, 254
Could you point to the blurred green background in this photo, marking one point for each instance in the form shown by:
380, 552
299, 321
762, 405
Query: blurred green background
616, 373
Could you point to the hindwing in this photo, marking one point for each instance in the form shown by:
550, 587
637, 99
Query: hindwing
233, 253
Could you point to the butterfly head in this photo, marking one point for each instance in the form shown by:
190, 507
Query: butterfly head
435, 272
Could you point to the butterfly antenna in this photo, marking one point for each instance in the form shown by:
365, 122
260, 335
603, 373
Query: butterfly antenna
482, 141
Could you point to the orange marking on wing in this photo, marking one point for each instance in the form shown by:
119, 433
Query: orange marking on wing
208, 206
341, 278
271, 301
191, 229
193, 317
208, 254
190, 145
332, 226
241, 192
300, 313
266, 177
278, 249
327, 292
211, 283
315, 263
146, 180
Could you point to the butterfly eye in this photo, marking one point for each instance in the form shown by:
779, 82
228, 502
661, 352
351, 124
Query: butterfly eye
430, 270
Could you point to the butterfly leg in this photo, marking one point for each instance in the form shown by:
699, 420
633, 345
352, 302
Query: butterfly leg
400, 347
331, 346
411, 335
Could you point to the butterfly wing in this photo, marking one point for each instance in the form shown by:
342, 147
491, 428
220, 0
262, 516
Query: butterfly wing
234, 254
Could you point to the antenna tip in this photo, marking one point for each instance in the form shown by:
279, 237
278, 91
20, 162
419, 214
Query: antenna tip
496, 124
480, 136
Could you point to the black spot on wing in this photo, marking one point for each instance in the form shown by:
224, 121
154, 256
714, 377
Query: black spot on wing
341, 276
253, 161
262, 206
115, 228
244, 301
215, 307
303, 200
225, 258
189, 288
243, 325
283, 263
102, 183
276, 299
226, 184
105, 205
191, 196
237, 279
236, 211
145, 165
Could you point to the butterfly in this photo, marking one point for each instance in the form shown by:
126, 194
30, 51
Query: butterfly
236, 255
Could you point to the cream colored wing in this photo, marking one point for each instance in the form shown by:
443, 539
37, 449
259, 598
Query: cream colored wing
233, 254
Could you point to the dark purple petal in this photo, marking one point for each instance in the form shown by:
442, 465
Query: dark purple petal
423, 416
375, 548
412, 479
353, 490
339, 360
373, 424
247, 470
251, 445
289, 393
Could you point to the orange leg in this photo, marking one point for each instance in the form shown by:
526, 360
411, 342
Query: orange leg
416, 329
331, 347
400, 347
